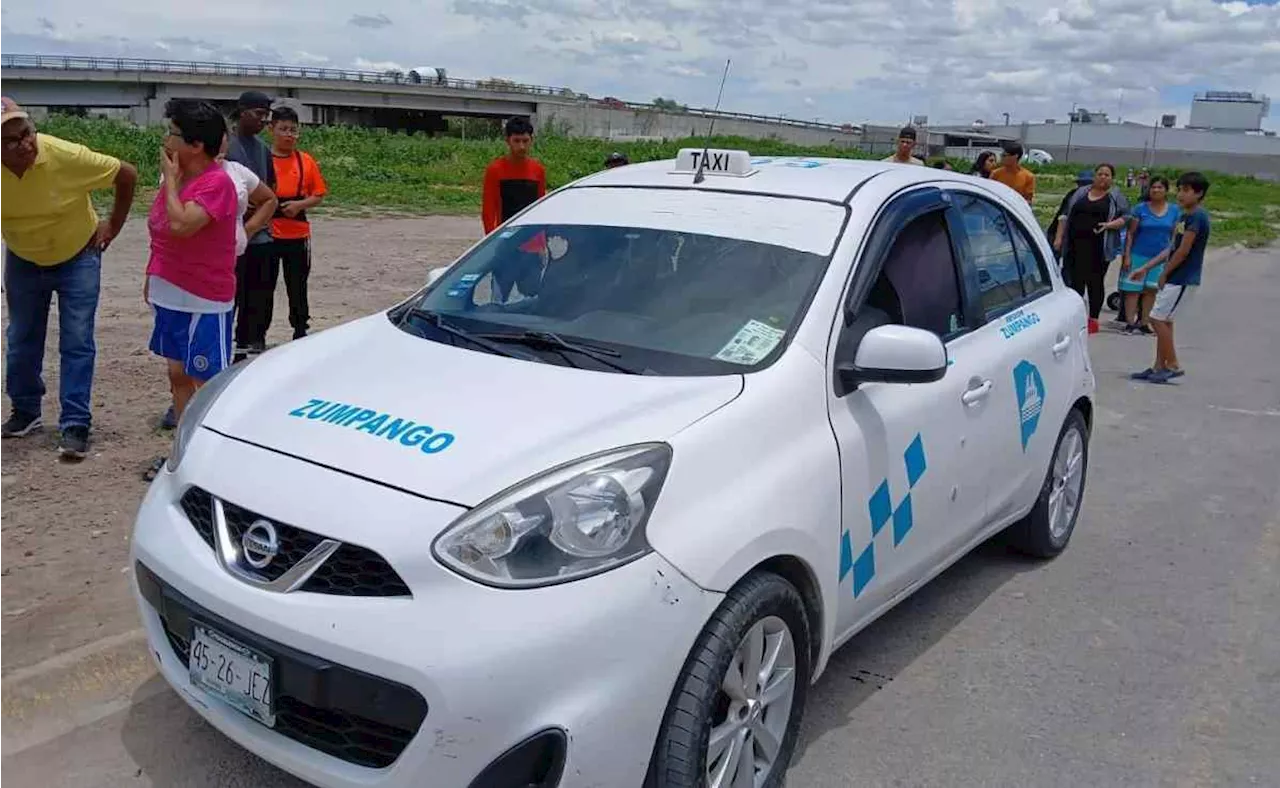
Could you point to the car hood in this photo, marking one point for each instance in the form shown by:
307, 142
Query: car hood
446, 422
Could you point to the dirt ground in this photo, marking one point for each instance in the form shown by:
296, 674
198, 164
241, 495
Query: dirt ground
65, 527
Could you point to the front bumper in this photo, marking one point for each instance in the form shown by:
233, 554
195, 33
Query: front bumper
427, 690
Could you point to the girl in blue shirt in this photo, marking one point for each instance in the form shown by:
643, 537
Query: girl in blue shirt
1148, 242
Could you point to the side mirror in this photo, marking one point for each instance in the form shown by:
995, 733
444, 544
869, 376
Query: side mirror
435, 273
894, 354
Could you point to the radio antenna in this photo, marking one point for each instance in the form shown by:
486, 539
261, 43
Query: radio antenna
706, 143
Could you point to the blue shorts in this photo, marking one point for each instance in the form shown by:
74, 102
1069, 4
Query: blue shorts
202, 342
1150, 282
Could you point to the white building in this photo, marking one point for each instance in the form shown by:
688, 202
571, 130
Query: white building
1222, 110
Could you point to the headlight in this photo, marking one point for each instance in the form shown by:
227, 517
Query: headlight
576, 520
197, 408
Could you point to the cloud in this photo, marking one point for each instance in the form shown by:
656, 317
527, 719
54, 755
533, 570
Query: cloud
363, 64
491, 9
372, 22
871, 60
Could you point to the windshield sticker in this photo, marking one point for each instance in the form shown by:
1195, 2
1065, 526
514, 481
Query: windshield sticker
404, 432
458, 292
506, 233
1029, 388
469, 279
753, 342
1018, 321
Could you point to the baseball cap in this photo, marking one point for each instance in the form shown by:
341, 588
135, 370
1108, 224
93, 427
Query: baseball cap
12, 111
254, 99
1083, 177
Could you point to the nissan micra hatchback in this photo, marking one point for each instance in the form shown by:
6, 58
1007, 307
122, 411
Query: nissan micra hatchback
595, 506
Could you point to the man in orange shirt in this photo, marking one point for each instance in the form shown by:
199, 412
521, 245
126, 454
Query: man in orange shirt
299, 187
1012, 174
512, 182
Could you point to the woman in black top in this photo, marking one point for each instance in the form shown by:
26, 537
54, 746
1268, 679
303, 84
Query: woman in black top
1088, 235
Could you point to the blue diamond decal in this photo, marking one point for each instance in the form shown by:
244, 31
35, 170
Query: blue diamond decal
914, 457
902, 520
864, 569
846, 555
881, 507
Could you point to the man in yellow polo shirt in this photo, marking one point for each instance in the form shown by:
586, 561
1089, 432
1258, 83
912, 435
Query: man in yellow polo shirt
53, 244
1012, 174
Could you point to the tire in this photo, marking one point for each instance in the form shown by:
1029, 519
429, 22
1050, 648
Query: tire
769, 612
1113, 301
1046, 530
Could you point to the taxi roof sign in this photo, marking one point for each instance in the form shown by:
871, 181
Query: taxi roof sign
733, 163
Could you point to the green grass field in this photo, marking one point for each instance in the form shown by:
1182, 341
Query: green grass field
374, 171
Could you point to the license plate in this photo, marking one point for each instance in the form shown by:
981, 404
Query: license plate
232, 672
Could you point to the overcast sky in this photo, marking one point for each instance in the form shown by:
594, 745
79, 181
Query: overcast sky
838, 60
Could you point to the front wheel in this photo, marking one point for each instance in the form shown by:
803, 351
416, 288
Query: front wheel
734, 715
1045, 531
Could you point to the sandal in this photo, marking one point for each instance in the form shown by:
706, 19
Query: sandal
153, 470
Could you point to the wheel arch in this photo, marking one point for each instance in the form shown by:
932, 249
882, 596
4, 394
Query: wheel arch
798, 573
1085, 406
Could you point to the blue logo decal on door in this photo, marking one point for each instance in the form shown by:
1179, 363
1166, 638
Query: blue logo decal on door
882, 512
1029, 387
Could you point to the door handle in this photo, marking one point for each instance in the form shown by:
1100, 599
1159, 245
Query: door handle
1061, 345
976, 393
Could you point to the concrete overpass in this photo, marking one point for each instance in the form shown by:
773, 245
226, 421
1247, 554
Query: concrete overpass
391, 99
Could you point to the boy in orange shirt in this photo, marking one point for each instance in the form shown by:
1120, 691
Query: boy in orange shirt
1012, 174
299, 187
512, 182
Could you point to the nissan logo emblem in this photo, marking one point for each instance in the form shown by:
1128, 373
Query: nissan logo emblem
260, 544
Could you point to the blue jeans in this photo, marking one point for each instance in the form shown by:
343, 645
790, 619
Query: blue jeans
28, 290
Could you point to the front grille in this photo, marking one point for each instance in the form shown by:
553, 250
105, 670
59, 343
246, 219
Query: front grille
295, 542
197, 505
351, 571
355, 571
359, 718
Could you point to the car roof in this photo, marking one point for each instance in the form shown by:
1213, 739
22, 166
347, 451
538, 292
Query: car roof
829, 180
815, 178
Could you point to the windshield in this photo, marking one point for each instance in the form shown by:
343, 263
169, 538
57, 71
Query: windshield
658, 296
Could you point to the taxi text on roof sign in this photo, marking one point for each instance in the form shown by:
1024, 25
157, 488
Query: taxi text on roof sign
736, 163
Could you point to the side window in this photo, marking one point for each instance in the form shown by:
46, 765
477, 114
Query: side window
990, 239
1035, 276
919, 284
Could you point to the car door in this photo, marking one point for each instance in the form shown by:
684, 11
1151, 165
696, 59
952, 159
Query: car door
1026, 335
914, 483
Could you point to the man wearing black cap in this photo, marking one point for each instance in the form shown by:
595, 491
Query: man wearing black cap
255, 288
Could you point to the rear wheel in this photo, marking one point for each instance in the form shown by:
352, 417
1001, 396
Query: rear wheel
734, 715
1045, 531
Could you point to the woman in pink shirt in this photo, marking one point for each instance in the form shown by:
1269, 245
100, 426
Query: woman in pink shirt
191, 276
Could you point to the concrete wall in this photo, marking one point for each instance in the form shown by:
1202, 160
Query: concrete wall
590, 119
1130, 145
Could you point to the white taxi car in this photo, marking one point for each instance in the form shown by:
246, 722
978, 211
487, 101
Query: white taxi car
595, 506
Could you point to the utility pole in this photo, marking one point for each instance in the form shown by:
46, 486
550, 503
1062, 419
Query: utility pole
1071, 124
1006, 119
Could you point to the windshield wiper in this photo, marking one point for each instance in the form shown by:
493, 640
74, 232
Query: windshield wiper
436, 319
548, 339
